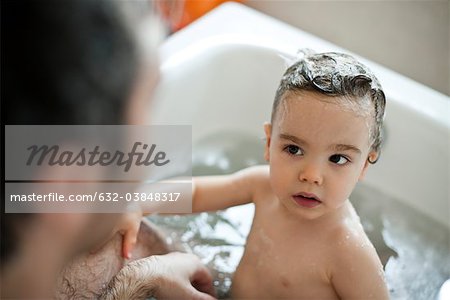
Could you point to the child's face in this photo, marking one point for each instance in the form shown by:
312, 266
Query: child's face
315, 149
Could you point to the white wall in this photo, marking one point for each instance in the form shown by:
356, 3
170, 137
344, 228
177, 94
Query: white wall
409, 36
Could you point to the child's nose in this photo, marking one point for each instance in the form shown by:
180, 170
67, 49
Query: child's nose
311, 173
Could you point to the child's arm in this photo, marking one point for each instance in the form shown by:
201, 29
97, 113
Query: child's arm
212, 193
209, 193
358, 274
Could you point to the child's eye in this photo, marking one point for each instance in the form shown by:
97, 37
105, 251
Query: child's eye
293, 150
339, 159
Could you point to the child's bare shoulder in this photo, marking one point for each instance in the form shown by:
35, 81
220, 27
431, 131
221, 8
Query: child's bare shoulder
257, 177
257, 173
348, 237
356, 269
349, 240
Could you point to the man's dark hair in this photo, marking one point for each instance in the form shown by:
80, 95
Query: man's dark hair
62, 62
336, 74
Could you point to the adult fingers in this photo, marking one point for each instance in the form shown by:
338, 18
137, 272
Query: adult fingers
202, 280
197, 295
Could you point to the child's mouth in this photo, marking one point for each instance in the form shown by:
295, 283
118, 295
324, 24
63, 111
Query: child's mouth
306, 200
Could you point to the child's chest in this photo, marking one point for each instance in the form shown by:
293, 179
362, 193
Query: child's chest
283, 261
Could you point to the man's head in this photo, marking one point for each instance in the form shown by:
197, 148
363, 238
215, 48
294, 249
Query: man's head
65, 63
325, 130
72, 62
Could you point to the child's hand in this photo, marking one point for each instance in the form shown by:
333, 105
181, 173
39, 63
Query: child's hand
128, 227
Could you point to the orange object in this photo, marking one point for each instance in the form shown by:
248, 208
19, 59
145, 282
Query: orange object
181, 13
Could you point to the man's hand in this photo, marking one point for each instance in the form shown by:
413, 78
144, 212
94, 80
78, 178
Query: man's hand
183, 277
170, 276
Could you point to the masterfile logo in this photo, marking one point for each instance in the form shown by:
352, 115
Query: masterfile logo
53, 156
120, 152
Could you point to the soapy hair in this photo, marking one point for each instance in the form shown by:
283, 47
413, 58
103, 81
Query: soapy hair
337, 75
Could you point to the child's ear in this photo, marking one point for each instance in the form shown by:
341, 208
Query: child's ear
268, 132
373, 156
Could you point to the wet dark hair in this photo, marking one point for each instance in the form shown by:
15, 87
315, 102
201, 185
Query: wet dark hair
62, 62
65, 62
335, 74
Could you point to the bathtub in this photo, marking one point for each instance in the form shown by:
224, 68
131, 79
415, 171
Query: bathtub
220, 75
